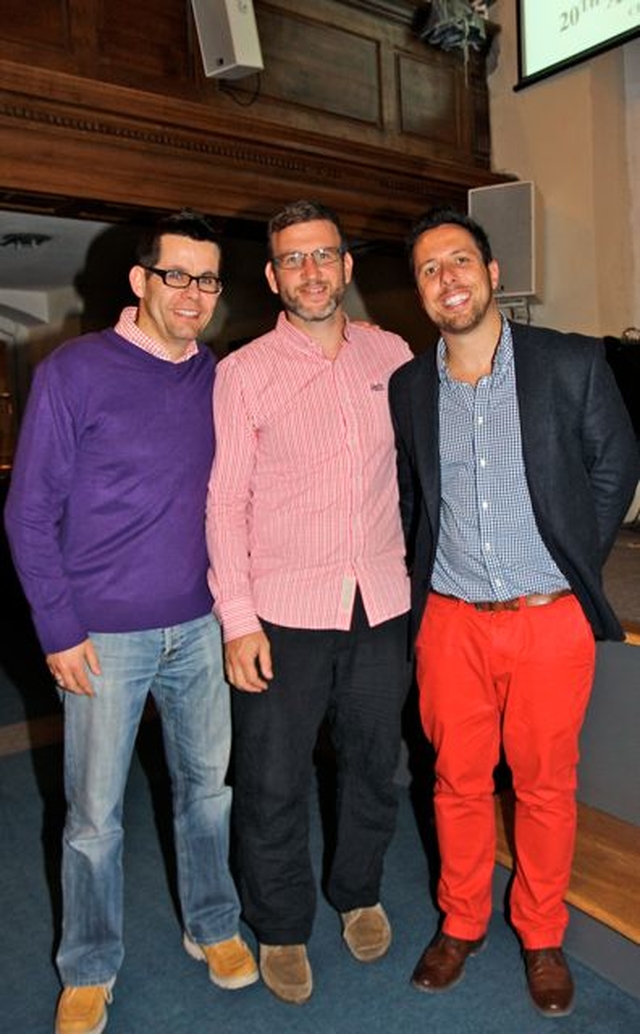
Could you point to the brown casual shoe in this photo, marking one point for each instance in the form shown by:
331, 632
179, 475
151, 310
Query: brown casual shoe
367, 932
83, 1010
286, 971
231, 964
550, 981
441, 964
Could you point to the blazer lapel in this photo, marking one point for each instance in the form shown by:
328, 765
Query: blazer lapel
534, 391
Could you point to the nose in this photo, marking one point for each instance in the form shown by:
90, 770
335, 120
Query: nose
193, 291
309, 261
447, 273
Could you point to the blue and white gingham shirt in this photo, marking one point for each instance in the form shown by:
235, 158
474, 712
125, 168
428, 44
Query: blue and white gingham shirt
489, 547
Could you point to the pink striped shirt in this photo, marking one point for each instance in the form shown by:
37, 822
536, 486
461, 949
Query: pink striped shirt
127, 328
303, 500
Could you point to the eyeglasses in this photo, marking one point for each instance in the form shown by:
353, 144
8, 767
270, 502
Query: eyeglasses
207, 282
321, 257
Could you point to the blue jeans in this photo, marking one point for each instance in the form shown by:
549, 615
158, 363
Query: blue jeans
181, 667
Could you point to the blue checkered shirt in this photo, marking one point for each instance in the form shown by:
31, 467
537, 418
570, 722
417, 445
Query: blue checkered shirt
489, 547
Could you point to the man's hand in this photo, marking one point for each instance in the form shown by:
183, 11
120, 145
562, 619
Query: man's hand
69, 668
248, 662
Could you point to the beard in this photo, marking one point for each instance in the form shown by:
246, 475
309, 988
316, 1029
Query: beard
461, 322
462, 325
310, 313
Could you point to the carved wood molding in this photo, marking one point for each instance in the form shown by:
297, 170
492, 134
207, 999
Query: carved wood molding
300, 158
132, 147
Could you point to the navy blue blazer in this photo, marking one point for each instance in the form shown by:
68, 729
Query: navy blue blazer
580, 456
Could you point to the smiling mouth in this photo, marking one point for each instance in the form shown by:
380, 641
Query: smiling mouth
457, 298
314, 287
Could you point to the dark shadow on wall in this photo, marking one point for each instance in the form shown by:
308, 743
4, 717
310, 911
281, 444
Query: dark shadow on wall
103, 283
383, 278
624, 359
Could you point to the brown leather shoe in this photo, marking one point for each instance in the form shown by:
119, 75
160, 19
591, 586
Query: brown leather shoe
441, 964
550, 981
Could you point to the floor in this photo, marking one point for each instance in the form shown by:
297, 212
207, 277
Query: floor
31, 807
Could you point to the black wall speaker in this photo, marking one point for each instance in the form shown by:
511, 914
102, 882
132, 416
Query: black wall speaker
510, 213
228, 37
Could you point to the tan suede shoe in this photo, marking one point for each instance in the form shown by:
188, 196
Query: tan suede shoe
83, 1010
367, 932
231, 964
286, 971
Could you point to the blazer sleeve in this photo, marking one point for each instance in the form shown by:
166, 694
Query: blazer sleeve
610, 450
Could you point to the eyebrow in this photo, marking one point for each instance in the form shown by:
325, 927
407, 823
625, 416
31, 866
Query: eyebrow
453, 254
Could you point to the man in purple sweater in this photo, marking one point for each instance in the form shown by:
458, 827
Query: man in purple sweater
105, 518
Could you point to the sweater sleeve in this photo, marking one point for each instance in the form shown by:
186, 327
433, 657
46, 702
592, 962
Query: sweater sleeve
35, 508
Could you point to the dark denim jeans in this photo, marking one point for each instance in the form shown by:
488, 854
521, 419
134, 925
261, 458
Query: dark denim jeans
358, 680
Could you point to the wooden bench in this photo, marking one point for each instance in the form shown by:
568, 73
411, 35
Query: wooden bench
605, 880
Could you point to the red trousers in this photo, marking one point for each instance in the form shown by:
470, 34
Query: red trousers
521, 678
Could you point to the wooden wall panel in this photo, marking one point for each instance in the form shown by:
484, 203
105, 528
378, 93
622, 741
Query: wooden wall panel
36, 24
144, 42
37, 32
428, 95
335, 71
480, 143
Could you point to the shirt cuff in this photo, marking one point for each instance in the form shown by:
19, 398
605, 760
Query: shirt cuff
238, 618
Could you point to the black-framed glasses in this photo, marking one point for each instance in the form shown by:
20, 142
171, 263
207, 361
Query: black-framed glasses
209, 283
321, 257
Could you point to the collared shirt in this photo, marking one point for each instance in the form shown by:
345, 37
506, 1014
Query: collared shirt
127, 328
303, 499
489, 547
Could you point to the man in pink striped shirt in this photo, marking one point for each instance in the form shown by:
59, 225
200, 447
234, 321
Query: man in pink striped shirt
311, 589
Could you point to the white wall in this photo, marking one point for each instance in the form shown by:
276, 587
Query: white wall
576, 135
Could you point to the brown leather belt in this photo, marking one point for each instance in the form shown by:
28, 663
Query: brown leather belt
534, 599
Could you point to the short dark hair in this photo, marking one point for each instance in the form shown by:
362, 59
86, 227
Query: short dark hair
445, 216
303, 212
186, 223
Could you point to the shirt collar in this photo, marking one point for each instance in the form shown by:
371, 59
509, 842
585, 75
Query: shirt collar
302, 340
127, 328
502, 360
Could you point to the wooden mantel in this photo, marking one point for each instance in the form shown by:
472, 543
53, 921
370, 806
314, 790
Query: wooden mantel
105, 110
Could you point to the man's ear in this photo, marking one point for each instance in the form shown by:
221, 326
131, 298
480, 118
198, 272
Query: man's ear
138, 280
270, 274
347, 262
494, 273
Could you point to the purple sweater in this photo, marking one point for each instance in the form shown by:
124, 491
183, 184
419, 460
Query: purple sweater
105, 513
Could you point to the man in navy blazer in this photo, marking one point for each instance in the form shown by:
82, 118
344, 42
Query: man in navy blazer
516, 464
